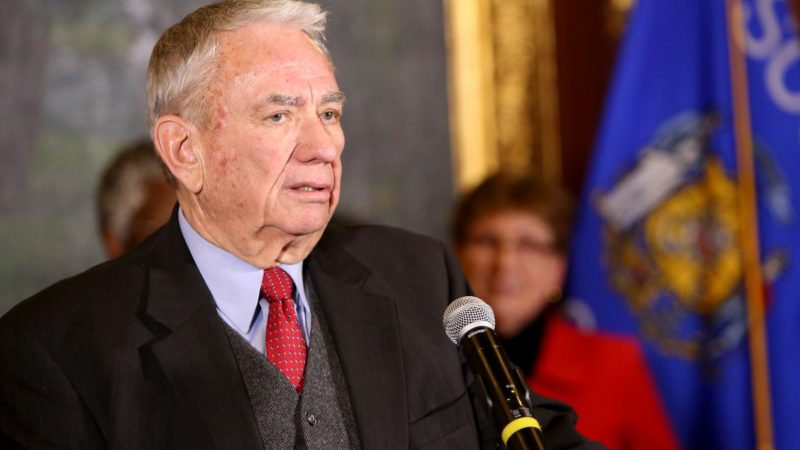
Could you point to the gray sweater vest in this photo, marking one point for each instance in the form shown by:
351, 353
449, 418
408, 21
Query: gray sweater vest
320, 418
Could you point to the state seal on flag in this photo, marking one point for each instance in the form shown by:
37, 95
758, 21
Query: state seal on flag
671, 242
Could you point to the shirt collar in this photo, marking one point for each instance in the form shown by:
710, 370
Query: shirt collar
234, 283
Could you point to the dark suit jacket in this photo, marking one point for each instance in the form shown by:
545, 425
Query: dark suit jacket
132, 353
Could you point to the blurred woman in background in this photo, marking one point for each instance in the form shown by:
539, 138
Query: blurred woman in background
511, 234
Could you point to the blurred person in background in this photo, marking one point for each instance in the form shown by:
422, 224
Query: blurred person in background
133, 198
511, 234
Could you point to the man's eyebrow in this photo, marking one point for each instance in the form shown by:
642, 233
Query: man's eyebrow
282, 100
289, 100
334, 97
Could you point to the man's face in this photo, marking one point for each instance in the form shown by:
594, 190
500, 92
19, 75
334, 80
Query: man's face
271, 152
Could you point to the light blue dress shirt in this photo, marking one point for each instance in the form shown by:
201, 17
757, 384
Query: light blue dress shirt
236, 284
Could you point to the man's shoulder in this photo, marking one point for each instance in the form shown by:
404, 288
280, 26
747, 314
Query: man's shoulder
379, 238
105, 286
406, 264
386, 249
100, 292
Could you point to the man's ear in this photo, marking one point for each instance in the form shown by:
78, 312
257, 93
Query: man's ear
177, 142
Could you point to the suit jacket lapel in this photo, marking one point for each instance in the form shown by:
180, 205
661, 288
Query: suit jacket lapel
192, 346
363, 322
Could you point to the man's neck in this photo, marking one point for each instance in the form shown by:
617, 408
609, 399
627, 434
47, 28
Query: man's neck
268, 246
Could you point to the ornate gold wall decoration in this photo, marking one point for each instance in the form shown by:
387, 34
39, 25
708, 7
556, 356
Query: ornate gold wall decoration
503, 90
504, 103
471, 89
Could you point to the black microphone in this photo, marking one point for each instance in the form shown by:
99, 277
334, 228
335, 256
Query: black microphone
469, 321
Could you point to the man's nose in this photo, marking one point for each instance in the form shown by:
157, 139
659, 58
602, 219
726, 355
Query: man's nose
319, 141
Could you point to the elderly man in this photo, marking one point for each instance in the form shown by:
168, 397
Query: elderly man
244, 323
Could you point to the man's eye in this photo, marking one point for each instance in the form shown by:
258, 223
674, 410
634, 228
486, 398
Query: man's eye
330, 116
277, 117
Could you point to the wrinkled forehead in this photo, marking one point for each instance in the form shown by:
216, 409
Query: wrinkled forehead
269, 45
272, 59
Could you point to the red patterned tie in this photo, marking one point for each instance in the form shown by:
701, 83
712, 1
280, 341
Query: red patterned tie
286, 348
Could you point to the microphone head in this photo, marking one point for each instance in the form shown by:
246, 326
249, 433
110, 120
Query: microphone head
464, 314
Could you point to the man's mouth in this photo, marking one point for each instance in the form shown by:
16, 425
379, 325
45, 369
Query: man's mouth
307, 188
312, 190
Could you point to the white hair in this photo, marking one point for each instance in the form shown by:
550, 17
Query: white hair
182, 63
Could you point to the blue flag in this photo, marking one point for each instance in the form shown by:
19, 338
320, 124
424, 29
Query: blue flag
656, 249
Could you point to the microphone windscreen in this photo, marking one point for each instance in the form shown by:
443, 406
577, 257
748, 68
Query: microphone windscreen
464, 314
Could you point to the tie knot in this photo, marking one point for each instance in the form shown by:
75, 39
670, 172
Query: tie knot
277, 285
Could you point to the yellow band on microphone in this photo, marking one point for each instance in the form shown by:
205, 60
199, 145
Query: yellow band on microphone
518, 424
